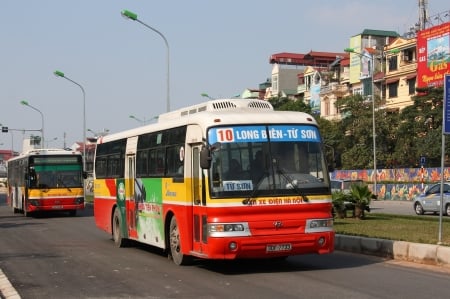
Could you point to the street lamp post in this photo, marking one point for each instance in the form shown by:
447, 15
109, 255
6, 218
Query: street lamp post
372, 70
61, 74
25, 103
132, 16
145, 120
138, 119
99, 134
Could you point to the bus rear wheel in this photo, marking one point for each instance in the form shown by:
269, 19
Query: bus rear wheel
119, 240
175, 245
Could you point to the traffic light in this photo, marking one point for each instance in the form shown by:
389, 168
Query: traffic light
4, 129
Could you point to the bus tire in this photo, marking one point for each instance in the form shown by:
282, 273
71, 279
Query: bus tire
24, 209
15, 210
175, 245
119, 240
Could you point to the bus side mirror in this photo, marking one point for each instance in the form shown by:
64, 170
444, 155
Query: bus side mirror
84, 175
205, 158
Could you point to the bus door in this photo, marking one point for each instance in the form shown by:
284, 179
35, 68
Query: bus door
194, 172
130, 181
198, 202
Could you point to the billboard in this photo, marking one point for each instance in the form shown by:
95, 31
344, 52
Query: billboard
433, 55
355, 59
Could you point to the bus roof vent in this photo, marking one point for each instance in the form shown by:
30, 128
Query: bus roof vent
218, 105
223, 104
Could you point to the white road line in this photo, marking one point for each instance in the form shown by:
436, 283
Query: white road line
6, 288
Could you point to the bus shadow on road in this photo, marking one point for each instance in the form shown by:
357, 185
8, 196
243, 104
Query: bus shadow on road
308, 262
87, 212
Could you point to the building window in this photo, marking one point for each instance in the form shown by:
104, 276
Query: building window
275, 84
358, 90
393, 63
411, 86
327, 108
408, 55
393, 89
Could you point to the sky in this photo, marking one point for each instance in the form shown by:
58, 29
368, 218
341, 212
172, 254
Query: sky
219, 48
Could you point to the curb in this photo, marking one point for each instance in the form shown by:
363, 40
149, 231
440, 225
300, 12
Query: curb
398, 250
6, 289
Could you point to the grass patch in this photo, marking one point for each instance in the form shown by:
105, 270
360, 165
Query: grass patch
416, 229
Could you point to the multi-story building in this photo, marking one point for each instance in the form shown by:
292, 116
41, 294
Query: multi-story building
335, 88
366, 62
400, 73
379, 64
301, 76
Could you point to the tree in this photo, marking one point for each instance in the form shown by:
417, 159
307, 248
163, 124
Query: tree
360, 197
332, 136
356, 124
420, 128
402, 137
286, 104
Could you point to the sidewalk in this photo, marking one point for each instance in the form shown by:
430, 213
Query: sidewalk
398, 250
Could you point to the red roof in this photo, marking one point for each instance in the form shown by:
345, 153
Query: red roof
313, 58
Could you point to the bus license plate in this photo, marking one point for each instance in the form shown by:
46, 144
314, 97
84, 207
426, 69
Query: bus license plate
57, 207
279, 247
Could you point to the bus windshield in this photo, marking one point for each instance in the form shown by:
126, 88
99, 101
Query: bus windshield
267, 161
55, 172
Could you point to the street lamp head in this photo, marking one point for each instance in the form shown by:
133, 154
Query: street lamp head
23, 102
128, 15
349, 50
205, 95
58, 73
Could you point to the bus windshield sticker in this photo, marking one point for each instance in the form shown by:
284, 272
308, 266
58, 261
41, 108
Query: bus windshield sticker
244, 185
277, 133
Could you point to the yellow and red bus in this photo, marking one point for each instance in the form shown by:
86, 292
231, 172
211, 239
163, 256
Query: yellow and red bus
225, 179
46, 180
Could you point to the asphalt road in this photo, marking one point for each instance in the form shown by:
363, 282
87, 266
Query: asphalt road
57, 256
392, 207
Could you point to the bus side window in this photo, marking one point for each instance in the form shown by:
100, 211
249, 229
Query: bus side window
175, 163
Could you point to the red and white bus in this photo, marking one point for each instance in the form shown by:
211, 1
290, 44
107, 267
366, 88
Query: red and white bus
46, 180
225, 179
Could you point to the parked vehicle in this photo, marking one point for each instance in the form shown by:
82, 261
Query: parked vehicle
343, 185
429, 201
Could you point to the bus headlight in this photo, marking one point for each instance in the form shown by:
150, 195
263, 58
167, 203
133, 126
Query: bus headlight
35, 202
319, 225
228, 229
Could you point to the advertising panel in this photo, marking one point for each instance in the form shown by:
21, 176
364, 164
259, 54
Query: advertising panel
355, 59
433, 55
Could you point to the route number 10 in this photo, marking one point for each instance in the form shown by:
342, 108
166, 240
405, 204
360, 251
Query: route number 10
225, 135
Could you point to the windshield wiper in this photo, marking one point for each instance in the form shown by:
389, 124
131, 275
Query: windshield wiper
293, 184
248, 200
64, 185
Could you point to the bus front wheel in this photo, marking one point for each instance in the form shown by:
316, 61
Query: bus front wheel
175, 245
119, 240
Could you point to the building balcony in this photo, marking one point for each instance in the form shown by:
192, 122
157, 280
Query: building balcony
301, 88
334, 88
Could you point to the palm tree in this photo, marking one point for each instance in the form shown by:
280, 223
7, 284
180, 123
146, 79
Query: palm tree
361, 197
